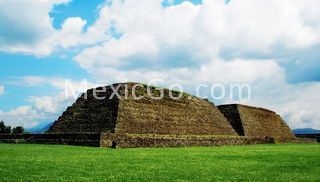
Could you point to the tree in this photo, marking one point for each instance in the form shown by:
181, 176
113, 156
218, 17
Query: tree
18, 130
2, 127
7, 130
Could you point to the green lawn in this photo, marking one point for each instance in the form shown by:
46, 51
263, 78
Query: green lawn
290, 162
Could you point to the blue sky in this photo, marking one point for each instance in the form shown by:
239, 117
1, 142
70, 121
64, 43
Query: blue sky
87, 10
273, 46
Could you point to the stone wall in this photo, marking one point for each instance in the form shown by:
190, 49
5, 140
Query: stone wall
257, 122
309, 137
144, 140
63, 139
132, 141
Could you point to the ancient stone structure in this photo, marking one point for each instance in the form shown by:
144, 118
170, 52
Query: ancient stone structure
65, 139
254, 121
125, 115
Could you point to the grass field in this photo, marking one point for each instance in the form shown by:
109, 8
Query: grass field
289, 162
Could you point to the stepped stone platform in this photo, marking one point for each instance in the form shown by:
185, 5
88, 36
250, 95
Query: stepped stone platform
126, 115
187, 115
124, 121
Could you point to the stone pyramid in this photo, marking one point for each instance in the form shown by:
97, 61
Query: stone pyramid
187, 115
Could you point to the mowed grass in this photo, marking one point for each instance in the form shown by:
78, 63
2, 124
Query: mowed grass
288, 162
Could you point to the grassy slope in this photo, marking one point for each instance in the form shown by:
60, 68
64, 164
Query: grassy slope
298, 162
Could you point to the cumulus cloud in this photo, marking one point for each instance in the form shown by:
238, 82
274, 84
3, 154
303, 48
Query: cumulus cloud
45, 108
154, 35
30, 31
71, 31
47, 103
25, 29
21, 116
178, 31
68, 92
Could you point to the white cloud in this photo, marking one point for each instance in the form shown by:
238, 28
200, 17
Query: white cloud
71, 32
44, 108
1, 89
68, 92
201, 31
26, 26
21, 116
303, 109
252, 26
30, 30
241, 71
47, 103
214, 72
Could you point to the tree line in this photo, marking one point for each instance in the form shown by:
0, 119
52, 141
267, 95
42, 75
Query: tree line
8, 130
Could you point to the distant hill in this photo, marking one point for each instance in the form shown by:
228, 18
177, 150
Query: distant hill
306, 131
39, 129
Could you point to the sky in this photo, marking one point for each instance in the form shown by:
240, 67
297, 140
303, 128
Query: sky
273, 46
